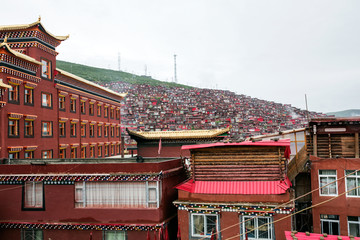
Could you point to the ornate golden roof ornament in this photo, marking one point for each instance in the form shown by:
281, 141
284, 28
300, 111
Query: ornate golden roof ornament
5, 39
39, 19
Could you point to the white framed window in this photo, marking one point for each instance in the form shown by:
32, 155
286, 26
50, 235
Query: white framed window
33, 195
352, 181
326, 177
202, 225
354, 226
117, 194
114, 235
330, 224
257, 227
32, 234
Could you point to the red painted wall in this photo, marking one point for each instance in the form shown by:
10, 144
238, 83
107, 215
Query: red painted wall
343, 206
166, 151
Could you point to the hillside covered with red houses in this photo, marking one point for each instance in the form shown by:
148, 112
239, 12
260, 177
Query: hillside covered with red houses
160, 108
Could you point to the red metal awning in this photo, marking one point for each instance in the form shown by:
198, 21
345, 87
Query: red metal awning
235, 187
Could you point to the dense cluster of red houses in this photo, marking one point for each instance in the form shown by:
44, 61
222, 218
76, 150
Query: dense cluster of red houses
157, 108
188, 184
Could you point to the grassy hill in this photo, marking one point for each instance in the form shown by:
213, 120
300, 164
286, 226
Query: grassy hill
106, 75
346, 113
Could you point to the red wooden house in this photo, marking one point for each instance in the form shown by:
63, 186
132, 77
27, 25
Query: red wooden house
237, 190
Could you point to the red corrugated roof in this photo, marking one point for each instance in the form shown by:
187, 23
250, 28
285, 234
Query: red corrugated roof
302, 236
235, 187
280, 143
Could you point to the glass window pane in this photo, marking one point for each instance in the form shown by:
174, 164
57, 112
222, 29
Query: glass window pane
263, 228
354, 229
335, 228
325, 227
250, 226
350, 184
198, 224
210, 224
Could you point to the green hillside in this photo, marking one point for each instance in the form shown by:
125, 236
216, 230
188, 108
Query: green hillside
346, 113
106, 75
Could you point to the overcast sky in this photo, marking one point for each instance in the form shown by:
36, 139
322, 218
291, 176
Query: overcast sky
275, 50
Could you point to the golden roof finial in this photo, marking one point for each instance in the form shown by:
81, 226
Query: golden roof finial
5, 39
39, 19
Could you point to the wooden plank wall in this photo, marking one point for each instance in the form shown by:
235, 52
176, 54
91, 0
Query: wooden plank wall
238, 164
334, 145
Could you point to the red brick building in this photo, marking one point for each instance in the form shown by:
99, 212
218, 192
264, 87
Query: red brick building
46, 112
333, 146
236, 189
77, 199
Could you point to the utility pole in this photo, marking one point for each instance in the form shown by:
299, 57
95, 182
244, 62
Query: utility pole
119, 61
175, 78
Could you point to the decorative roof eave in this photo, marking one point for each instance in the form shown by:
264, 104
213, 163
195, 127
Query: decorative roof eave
80, 79
198, 134
3, 85
19, 55
26, 26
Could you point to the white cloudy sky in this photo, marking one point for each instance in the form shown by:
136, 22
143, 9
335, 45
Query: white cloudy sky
276, 50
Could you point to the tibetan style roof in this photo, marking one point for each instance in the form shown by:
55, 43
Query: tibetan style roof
26, 26
70, 75
187, 134
17, 54
236, 187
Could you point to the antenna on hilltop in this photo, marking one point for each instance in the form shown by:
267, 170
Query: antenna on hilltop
145, 70
119, 61
175, 78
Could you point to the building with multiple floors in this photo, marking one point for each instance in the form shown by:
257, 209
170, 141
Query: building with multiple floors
46, 112
236, 190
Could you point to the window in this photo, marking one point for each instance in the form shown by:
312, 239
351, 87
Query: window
325, 177
33, 195
92, 151
82, 107
125, 194
112, 131
73, 129
72, 105
83, 130
117, 131
46, 129
330, 224
29, 128
354, 226
29, 155
106, 151
118, 148
99, 129
62, 127
203, 224
117, 113
14, 93
111, 113
62, 103
32, 234
92, 130
73, 152
353, 181
106, 131
13, 128
91, 109
99, 151
99, 110
112, 150
46, 154
29, 96
62, 153
46, 69
106, 111
14, 155
83, 152
46, 100
257, 228
114, 235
